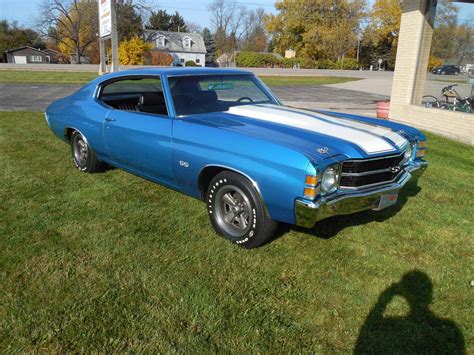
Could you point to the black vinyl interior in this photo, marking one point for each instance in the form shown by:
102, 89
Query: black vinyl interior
149, 102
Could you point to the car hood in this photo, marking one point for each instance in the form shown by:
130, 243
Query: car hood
319, 135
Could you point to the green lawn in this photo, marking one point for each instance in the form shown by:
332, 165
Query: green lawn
10, 76
45, 77
110, 262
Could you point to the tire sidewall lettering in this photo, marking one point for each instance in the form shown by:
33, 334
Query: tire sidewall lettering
211, 202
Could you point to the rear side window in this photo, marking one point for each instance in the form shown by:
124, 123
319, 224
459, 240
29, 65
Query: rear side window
136, 94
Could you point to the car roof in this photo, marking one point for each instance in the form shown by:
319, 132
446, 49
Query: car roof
173, 71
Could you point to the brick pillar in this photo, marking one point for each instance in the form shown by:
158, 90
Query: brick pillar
413, 52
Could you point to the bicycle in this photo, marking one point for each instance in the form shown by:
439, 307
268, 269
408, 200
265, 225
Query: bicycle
449, 100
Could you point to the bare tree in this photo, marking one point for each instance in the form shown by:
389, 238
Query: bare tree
253, 35
226, 20
70, 22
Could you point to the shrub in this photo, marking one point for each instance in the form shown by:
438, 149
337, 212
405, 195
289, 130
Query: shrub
190, 63
256, 60
160, 58
132, 51
307, 63
347, 64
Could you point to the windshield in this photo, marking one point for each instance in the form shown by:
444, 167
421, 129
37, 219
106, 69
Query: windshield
214, 93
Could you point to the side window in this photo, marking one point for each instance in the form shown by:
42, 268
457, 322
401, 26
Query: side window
138, 94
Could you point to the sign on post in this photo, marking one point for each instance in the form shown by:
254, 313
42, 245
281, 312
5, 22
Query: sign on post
105, 18
108, 29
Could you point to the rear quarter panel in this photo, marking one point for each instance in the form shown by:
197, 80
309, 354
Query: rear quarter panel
81, 112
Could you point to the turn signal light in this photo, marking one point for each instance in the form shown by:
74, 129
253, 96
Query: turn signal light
420, 151
311, 180
309, 192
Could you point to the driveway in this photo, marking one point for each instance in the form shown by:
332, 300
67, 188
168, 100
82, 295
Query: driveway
36, 97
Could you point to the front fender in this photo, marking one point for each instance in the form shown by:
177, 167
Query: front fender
278, 172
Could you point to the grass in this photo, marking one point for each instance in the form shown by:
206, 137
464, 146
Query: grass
305, 80
45, 77
51, 77
111, 262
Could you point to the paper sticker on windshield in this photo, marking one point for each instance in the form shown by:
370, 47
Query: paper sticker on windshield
220, 86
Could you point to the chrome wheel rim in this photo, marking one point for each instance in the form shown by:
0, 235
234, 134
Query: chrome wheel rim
233, 210
80, 151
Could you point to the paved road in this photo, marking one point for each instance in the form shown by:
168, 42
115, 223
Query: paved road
36, 97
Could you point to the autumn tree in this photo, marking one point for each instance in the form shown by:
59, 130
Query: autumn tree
73, 24
161, 58
316, 29
132, 51
380, 38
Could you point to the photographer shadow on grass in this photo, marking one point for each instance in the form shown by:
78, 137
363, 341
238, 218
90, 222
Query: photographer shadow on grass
419, 331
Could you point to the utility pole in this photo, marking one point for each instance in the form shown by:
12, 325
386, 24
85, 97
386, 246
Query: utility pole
102, 66
114, 38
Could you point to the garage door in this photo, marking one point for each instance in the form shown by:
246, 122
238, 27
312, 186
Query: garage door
20, 59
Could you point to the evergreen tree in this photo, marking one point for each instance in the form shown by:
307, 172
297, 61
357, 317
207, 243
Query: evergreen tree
129, 21
159, 21
210, 44
177, 23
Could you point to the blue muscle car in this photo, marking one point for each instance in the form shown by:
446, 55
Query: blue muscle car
220, 135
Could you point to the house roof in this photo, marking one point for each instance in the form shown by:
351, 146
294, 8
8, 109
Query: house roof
23, 47
174, 41
49, 50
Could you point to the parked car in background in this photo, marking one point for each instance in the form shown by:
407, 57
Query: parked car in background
221, 135
446, 70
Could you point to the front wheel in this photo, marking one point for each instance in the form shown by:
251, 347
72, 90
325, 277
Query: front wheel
429, 101
237, 212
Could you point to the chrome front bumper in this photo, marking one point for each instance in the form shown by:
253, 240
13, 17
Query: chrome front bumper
307, 213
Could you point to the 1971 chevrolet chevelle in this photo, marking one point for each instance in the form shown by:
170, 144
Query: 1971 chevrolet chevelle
222, 136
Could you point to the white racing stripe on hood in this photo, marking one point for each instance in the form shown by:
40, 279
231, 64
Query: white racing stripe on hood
374, 129
309, 121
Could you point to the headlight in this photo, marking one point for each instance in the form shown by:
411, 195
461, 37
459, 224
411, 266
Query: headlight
408, 153
330, 179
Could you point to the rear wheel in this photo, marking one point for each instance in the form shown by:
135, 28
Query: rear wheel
237, 212
83, 156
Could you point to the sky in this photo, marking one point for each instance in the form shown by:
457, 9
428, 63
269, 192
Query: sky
24, 11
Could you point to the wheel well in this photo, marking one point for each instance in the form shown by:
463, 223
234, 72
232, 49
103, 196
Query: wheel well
68, 133
206, 176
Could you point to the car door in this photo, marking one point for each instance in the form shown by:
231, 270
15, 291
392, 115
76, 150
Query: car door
137, 129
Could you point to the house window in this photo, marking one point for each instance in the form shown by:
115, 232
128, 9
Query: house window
187, 43
182, 60
160, 41
36, 58
198, 60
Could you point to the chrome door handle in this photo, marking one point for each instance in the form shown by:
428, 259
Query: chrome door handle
110, 119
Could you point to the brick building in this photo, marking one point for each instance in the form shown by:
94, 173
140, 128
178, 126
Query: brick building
412, 80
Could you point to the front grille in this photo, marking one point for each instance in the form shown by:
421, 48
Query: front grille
354, 166
361, 173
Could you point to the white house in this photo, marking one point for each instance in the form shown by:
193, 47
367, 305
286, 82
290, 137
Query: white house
182, 46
